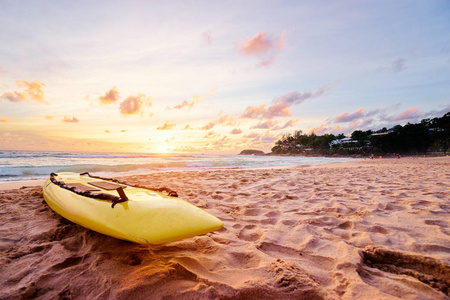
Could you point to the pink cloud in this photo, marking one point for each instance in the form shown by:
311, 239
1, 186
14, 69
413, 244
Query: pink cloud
67, 119
254, 111
208, 126
269, 138
167, 126
110, 97
134, 104
27, 91
210, 134
280, 109
412, 113
264, 47
265, 125
236, 131
207, 36
226, 120
318, 130
195, 100
346, 117
253, 135
256, 45
282, 104
289, 123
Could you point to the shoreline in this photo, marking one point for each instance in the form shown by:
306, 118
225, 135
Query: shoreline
15, 184
366, 229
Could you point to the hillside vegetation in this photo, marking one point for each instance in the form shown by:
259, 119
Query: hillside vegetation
428, 136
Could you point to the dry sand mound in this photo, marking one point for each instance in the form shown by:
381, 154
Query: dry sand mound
362, 230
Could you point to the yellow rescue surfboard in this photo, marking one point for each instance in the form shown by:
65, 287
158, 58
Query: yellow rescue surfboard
125, 212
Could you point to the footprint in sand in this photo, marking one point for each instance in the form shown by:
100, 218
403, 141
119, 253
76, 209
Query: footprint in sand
410, 275
250, 233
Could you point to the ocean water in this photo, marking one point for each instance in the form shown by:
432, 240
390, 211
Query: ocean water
28, 165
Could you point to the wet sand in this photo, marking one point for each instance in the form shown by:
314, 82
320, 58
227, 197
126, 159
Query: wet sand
372, 229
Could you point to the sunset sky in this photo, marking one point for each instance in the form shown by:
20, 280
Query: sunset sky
215, 76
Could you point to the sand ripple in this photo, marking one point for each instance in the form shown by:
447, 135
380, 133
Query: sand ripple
362, 230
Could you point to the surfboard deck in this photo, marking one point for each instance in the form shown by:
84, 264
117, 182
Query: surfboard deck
146, 217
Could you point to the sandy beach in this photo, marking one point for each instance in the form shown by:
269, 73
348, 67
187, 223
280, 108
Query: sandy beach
369, 229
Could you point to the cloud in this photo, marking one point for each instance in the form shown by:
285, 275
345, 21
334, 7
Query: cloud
269, 138
110, 96
210, 134
260, 44
226, 120
253, 136
208, 126
207, 36
135, 104
236, 131
263, 47
4, 120
396, 66
265, 125
27, 91
195, 100
319, 130
282, 104
188, 127
346, 117
186, 104
167, 126
289, 123
67, 119
254, 112
412, 113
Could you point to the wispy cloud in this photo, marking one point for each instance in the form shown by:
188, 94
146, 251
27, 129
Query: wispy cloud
226, 120
110, 96
263, 47
207, 36
208, 126
265, 125
167, 126
346, 117
396, 66
67, 119
27, 91
289, 123
188, 105
412, 113
282, 104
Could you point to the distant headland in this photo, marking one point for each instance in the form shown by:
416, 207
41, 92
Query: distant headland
252, 152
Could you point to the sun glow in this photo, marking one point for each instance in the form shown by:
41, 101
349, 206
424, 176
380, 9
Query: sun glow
162, 148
